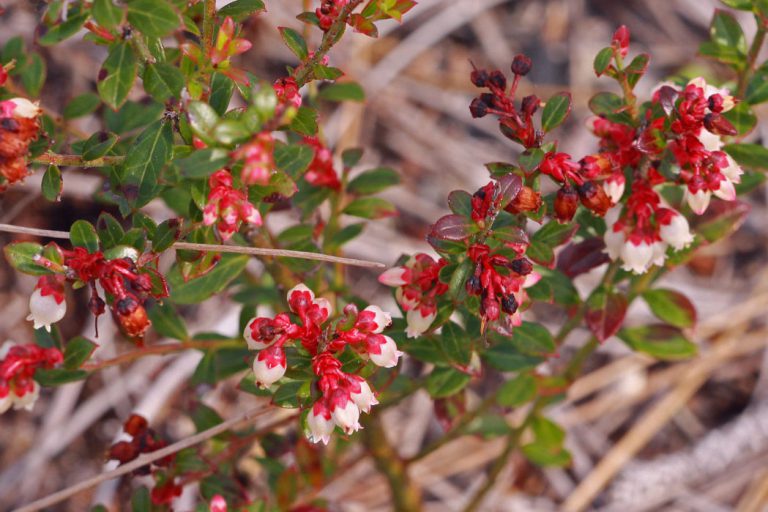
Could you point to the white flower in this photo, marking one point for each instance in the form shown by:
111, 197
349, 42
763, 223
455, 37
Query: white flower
301, 287
726, 191
380, 317
406, 303
614, 188
614, 240
388, 355
325, 304
734, 171
698, 201
27, 401
710, 141
347, 417
636, 257
253, 343
365, 398
6, 402
394, 276
320, 427
267, 371
25, 108
418, 323
677, 233
44, 310
659, 253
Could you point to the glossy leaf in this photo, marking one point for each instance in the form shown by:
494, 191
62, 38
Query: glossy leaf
106, 13
81, 106
603, 60
77, 351
155, 18
58, 376
163, 81
370, 208
295, 42
444, 382
241, 9
555, 111
117, 75
581, 257
343, 91
98, 145
198, 289
452, 227
373, 181
671, 306
605, 313
23, 257
167, 322
83, 234
460, 203
293, 159
144, 162
659, 341
517, 391
753, 156
456, 343
52, 183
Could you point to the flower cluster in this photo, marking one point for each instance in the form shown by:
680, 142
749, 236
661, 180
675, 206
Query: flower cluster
259, 162
641, 235
287, 92
328, 11
499, 282
418, 288
227, 206
320, 172
146, 440
19, 125
342, 395
127, 288
516, 124
46, 304
18, 364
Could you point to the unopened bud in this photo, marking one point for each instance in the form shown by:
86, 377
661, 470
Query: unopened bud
478, 108
530, 104
522, 266
123, 452
509, 304
497, 79
593, 196
473, 285
527, 200
566, 203
479, 77
521, 64
132, 317
719, 125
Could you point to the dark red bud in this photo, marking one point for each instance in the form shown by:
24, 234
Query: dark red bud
497, 79
489, 308
716, 103
522, 266
521, 64
620, 40
135, 425
123, 452
479, 77
529, 105
509, 304
96, 305
478, 108
473, 285
719, 125
566, 203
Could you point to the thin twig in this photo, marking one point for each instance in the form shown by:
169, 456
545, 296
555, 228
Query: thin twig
76, 160
253, 251
143, 460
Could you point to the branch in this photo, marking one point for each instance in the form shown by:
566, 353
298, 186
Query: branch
303, 73
145, 459
76, 160
156, 350
238, 249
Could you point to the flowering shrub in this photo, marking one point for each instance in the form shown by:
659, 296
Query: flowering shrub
663, 182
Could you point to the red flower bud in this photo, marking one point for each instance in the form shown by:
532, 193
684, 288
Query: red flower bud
522, 266
135, 425
479, 77
719, 125
593, 196
478, 108
509, 304
132, 317
530, 104
566, 203
497, 79
123, 452
521, 65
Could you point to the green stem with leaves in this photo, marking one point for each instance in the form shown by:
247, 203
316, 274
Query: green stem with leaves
749, 68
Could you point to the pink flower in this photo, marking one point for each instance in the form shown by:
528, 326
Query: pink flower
384, 353
269, 366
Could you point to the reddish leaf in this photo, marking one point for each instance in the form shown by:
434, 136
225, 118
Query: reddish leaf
582, 257
671, 306
509, 187
605, 313
451, 227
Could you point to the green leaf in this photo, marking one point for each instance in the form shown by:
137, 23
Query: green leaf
58, 376
230, 131
554, 234
23, 257
163, 81
460, 203
742, 5
350, 157
370, 208
456, 343
517, 391
145, 160
106, 13
117, 75
660, 341
637, 68
534, 339
555, 111
507, 357
132, 115
295, 42
222, 88
241, 9
64, 29
344, 91
109, 229
293, 159
459, 278
757, 90
289, 394
98, 145
167, 322
305, 121
742, 118
83, 234
220, 364
197, 290
444, 382
603, 60
605, 312
81, 106
373, 181
554, 287
140, 501
33, 74
611, 106
203, 162
52, 183
753, 156
345, 234
78, 351
726, 32
155, 18
165, 235
671, 306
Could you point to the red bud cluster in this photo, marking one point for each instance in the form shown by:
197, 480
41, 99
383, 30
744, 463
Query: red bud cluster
19, 126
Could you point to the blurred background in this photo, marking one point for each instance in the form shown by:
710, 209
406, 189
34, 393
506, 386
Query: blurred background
687, 436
